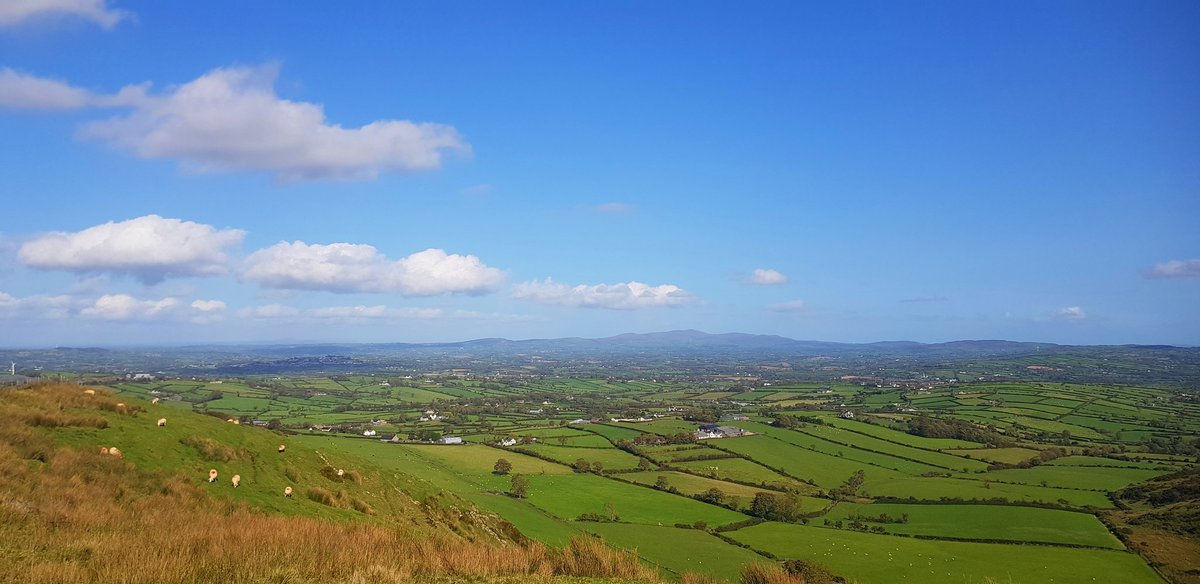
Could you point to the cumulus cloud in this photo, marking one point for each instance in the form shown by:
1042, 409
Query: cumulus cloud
1072, 313
231, 119
621, 296
34, 306
789, 306
767, 277
208, 305
151, 248
14, 12
1175, 269
126, 307
351, 267
21, 91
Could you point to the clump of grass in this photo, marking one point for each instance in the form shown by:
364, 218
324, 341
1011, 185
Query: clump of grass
361, 506
353, 476
322, 496
330, 473
210, 449
769, 574
59, 420
695, 578
292, 474
589, 556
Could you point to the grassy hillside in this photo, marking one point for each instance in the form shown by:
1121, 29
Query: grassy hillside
69, 513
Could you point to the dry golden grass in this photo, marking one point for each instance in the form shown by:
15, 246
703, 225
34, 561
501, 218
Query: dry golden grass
769, 574
68, 516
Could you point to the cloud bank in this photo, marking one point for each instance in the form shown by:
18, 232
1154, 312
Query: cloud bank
621, 296
150, 248
349, 267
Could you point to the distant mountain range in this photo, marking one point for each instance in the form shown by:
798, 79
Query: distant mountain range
681, 352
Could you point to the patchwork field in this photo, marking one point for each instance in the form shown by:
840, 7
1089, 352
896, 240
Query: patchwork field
1007, 486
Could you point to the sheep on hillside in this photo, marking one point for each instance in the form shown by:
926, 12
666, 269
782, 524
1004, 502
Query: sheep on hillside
236, 480
162, 422
212, 476
103, 450
287, 491
114, 452
154, 401
341, 472
89, 392
282, 447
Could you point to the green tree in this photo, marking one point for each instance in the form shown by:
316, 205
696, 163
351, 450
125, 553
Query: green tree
662, 484
520, 487
643, 464
502, 467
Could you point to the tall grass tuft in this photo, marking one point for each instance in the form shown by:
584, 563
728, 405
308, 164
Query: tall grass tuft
769, 574
210, 449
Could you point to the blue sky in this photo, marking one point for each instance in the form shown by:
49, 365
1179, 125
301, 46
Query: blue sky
216, 172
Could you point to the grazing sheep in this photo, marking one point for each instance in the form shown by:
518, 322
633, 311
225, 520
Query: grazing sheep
162, 422
212, 476
236, 480
287, 491
154, 401
103, 450
113, 451
282, 447
341, 472
234, 421
89, 392
120, 404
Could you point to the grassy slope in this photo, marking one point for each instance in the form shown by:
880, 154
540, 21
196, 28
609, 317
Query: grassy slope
71, 514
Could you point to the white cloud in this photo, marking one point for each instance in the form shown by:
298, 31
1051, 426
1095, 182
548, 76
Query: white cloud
231, 119
790, 306
767, 277
14, 12
34, 306
21, 91
354, 314
350, 267
622, 296
1175, 269
126, 307
1072, 313
151, 248
208, 305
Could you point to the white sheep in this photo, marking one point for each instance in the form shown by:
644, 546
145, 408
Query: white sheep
103, 450
341, 472
212, 476
154, 401
282, 447
287, 491
120, 404
236, 480
162, 422
115, 452
89, 392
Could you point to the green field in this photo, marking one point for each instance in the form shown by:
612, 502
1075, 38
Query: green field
987, 522
886, 559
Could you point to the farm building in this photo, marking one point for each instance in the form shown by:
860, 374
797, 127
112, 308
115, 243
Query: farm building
846, 415
450, 440
713, 431
507, 442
